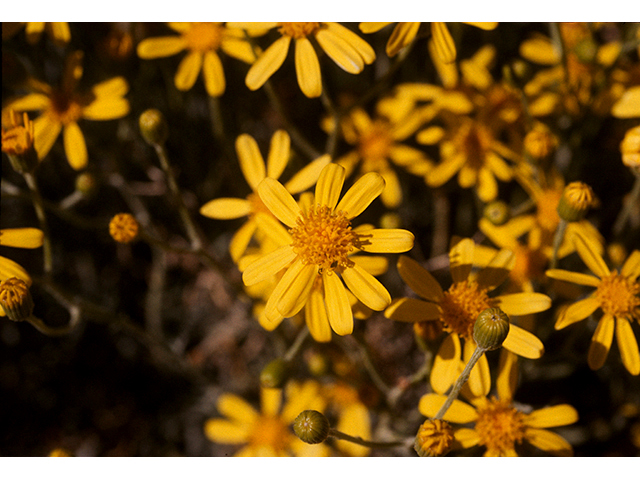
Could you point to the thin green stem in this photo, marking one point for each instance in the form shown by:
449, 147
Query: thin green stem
365, 443
557, 241
631, 202
38, 205
296, 346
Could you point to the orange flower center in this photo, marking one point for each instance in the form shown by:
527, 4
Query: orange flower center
202, 37
474, 141
298, 29
123, 228
324, 238
65, 108
499, 426
461, 305
374, 145
529, 265
618, 295
271, 432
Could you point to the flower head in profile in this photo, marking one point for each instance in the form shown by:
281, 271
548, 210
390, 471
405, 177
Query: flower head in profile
62, 108
345, 48
316, 256
203, 41
19, 238
458, 307
617, 295
266, 433
255, 170
500, 426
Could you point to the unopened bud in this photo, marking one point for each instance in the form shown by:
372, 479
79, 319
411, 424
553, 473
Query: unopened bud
124, 228
491, 328
311, 427
15, 299
434, 439
153, 127
497, 212
275, 374
576, 200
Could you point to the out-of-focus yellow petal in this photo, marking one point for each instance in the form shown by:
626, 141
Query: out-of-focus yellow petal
601, 342
631, 267
367, 288
354, 420
548, 441
629, 104
32, 101
267, 63
364, 191
402, 35
75, 146
279, 151
46, 131
461, 259
487, 187
446, 366
483, 25
21, 237
236, 408
251, 161
226, 208
106, 108
372, 27
307, 68
392, 193
556, 416
213, 72
337, 303
628, 346
507, 375
442, 172
540, 50
523, 343
161, 47
419, 279
589, 254
114, 87
458, 412
466, 437
270, 401
225, 432
279, 201
308, 175
497, 270
443, 42
577, 311
387, 240
188, 71
409, 309
573, 277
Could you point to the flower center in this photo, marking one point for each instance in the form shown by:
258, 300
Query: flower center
324, 238
374, 145
271, 432
529, 265
202, 37
298, 29
474, 141
618, 295
461, 305
65, 108
499, 426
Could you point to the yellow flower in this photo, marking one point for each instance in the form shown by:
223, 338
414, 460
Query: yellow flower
378, 143
255, 170
267, 433
458, 308
20, 238
203, 41
498, 425
63, 107
630, 148
124, 228
345, 48
58, 31
405, 32
353, 417
320, 240
617, 294
628, 106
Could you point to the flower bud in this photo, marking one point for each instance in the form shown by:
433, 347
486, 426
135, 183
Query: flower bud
15, 299
123, 228
576, 199
497, 212
275, 374
491, 328
86, 183
153, 127
17, 143
434, 439
540, 142
311, 427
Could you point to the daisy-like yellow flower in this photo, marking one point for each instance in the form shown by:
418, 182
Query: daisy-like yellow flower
458, 307
617, 294
63, 107
320, 240
498, 425
405, 32
58, 31
255, 170
266, 433
202, 41
378, 145
345, 48
19, 238
353, 417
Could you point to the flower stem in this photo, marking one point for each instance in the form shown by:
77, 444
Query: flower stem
295, 347
42, 219
631, 201
365, 443
462, 379
557, 241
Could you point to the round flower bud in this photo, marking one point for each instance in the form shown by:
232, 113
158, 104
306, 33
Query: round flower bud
630, 149
15, 299
576, 199
153, 127
539, 143
491, 328
275, 374
497, 212
123, 228
86, 183
311, 427
434, 438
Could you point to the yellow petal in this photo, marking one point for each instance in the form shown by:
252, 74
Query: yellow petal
443, 42
340, 51
279, 201
364, 191
365, 286
337, 303
392, 193
240, 240
316, 317
9, 268
458, 412
590, 256
446, 366
483, 25
507, 380
354, 420
419, 279
540, 50
402, 35
114, 87
279, 152
466, 437
487, 187
21, 237
308, 175
307, 68
188, 71
294, 287
497, 271
160, 47
577, 311
461, 259
329, 185
374, 264
372, 27
442, 172
628, 346
226, 208
629, 104
631, 267
556, 416
573, 277
236, 408
270, 401
548, 441
480, 377
33, 101
601, 342
106, 108
387, 240
268, 265
267, 63
225, 432
251, 161
522, 303
214, 81
74, 146
409, 309
46, 131
273, 229
523, 343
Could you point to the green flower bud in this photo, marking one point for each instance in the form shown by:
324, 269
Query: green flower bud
275, 374
86, 183
497, 212
491, 328
153, 127
577, 198
15, 299
311, 427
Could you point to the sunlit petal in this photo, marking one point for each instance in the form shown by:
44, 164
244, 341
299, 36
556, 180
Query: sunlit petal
307, 68
419, 279
329, 185
367, 288
556, 416
364, 191
337, 303
266, 65
279, 201
458, 412
601, 342
628, 346
523, 343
